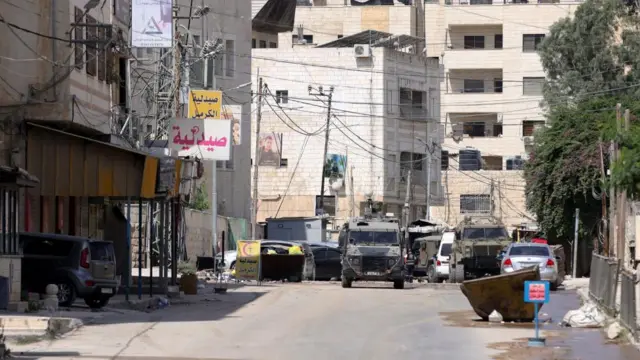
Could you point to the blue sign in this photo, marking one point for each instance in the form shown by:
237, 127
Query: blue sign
536, 292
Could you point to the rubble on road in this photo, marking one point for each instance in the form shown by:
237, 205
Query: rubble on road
495, 317
587, 316
614, 330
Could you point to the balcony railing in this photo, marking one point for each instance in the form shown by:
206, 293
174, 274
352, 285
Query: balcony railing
414, 112
503, 2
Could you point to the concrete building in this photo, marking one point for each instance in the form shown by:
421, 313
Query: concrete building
385, 109
322, 21
491, 91
61, 66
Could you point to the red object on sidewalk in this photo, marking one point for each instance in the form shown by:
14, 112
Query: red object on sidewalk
539, 241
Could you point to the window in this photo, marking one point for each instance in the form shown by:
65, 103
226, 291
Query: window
308, 39
515, 163
529, 251
329, 204
78, 35
219, 61
529, 127
497, 85
497, 41
263, 44
492, 163
282, 96
284, 163
474, 129
333, 254
230, 58
102, 58
445, 250
481, 2
497, 129
473, 86
340, 36
319, 254
532, 86
273, 45
92, 50
531, 42
44, 247
409, 160
253, 43
475, 203
474, 42
444, 160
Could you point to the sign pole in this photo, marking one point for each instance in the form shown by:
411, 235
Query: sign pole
536, 292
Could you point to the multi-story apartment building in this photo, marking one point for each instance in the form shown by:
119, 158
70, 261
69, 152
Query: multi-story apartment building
383, 115
225, 26
321, 21
491, 90
61, 82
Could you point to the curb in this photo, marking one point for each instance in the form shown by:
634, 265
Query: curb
437, 286
38, 327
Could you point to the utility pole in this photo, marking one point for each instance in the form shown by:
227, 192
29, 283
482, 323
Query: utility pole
256, 153
574, 265
605, 230
352, 195
613, 225
622, 206
406, 211
427, 195
329, 95
491, 207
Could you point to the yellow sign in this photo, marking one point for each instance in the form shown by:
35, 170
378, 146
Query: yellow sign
205, 104
248, 248
248, 260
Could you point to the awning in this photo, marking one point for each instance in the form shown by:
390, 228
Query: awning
73, 165
16, 177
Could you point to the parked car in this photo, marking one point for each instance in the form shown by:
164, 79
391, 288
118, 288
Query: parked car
328, 261
523, 255
439, 269
309, 267
80, 267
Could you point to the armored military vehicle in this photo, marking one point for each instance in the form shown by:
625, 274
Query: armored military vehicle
372, 250
476, 248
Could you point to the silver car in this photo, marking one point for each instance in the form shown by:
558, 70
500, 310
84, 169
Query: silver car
519, 256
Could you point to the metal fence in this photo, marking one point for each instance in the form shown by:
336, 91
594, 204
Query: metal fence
628, 301
603, 283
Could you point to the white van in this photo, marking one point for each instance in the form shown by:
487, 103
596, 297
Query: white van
440, 270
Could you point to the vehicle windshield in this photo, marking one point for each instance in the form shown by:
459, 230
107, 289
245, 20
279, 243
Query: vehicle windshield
380, 237
487, 233
445, 250
529, 251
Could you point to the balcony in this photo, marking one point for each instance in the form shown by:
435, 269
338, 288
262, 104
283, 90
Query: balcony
467, 59
413, 112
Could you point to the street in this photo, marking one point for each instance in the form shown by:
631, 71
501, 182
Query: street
317, 321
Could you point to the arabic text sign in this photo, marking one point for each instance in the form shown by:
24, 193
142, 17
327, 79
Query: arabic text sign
152, 24
248, 248
207, 139
248, 260
536, 291
205, 104
248, 268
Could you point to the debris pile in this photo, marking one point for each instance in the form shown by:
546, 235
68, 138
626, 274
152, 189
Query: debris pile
587, 316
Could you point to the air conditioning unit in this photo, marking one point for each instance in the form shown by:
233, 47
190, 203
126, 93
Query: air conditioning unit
362, 51
528, 140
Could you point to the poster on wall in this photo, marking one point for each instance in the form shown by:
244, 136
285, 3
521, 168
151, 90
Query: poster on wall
335, 169
152, 24
270, 149
233, 113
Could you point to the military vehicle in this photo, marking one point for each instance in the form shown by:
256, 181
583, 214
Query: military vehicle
372, 250
476, 249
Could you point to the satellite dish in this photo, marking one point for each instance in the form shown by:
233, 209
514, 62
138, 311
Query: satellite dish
337, 185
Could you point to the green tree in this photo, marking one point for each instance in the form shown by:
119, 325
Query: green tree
586, 77
199, 200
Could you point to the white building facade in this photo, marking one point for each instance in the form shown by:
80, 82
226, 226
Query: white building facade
491, 90
384, 112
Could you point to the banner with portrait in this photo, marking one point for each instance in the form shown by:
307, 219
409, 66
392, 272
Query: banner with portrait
270, 149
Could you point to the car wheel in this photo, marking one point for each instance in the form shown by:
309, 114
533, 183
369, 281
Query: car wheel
96, 302
346, 282
459, 273
398, 284
66, 293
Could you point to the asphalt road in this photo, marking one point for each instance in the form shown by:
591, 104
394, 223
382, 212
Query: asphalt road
297, 321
